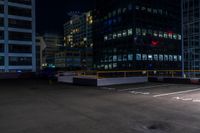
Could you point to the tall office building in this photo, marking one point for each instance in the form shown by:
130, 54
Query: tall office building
78, 37
191, 32
17, 36
137, 35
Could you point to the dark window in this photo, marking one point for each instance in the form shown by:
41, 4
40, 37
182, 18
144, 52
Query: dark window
1, 48
1, 60
1, 9
20, 61
1, 35
1, 22
13, 48
26, 2
19, 36
19, 11
19, 24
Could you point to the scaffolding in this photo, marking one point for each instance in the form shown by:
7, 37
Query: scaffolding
191, 36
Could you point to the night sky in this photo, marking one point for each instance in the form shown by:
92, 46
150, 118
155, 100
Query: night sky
51, 14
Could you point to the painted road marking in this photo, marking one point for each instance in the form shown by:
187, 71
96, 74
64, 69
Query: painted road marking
187, 99
174, 93
147, 87
139, 93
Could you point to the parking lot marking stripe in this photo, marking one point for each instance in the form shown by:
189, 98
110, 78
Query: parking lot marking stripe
174, 93
147, 87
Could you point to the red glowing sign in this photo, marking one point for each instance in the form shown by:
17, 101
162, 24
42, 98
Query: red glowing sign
154, 43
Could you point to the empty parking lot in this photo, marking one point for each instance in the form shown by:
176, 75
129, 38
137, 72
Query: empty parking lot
34, 106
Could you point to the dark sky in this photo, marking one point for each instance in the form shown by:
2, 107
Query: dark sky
51, 14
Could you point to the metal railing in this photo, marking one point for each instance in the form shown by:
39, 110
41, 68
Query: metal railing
139, 73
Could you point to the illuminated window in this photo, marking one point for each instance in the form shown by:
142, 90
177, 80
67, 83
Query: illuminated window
106, 67
179, 37
155, 11
160, 57
175, 36
119, 57
150, 57
150, 32
160, 11
175, 58
110, 66
143, 8
114, 58
114, 36
149, 9
170, 58
144, 57
165, 57
170, 35
180, 58
165, 35
137, 7
130, 32
124, 33
138, 57
114, 65
130, 57
125, 57
119, 11
155, 33
138, 31
155, 56
144, 32
105, 38
119, 35
160, 34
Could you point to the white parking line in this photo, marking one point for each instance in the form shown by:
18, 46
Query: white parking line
174, 93
147, 87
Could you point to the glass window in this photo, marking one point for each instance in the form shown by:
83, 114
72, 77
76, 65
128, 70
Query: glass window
124, 33
165, 57
150, 32
160, 34
165, 35
119, 57
170, 58
149, 9
130, 32
130, 57
155, 33
179, 37
114, 36
130, 7
155, 57
144, 57
138, 57
160, 57
20, 61
105, 38
119, 35
115, 58
170, 35
125, 57
137, 7
144, 32
180, 58
175, 36
114, 65
150, 57
1, 60
138, 31
175, 58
